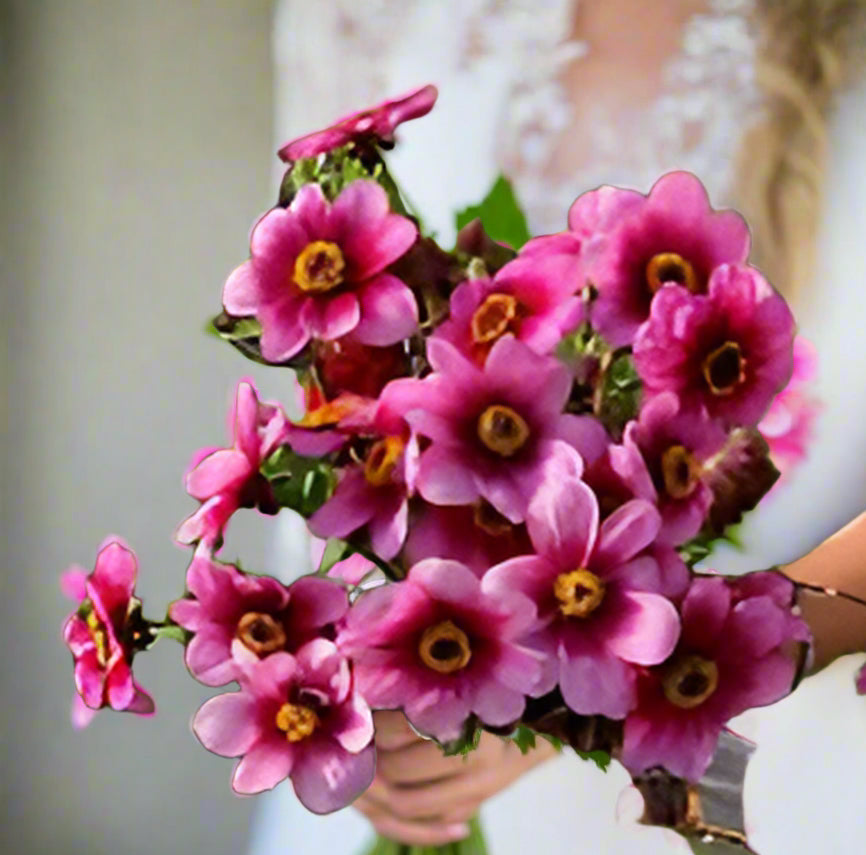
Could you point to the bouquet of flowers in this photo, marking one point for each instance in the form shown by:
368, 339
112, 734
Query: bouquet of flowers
514, 452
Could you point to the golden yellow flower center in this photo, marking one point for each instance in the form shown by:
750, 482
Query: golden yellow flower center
261, 633
724, 368
381, 460
671, 267
579, 592
502, 430
690, 680
100, 637
493, 317
297, 721
681, 472
444, 647
319, 266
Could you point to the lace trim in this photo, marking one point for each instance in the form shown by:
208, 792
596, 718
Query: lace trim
708, 92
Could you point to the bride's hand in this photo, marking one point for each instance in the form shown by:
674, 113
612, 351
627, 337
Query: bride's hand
421, 798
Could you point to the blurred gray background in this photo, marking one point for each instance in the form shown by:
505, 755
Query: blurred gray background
137, 151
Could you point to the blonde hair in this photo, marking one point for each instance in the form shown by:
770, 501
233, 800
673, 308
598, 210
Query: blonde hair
807, 51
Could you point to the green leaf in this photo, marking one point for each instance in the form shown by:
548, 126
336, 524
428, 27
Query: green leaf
466, 742
303, 484
619, 394
172, 631
500, 214
524, 738
335, 551
600, 758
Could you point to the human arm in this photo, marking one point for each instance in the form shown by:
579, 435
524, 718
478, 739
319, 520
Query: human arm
839, 563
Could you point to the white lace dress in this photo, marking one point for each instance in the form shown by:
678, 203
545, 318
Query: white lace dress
500, 66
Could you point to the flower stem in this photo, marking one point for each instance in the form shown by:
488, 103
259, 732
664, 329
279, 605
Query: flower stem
474, 844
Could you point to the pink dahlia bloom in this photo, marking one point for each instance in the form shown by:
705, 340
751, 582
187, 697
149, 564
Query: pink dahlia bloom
225, 479
441, 645
532, 297
377, 124
104, 632
733, 655
728, 351
594, 588
491, 427
295, 717
475, 535
788, 424
375, 492
316, 271
674, 444
637, 244
237, 618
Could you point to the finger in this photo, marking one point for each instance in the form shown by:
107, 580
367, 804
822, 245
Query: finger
422, 762
420, 834
393, 731
442, 797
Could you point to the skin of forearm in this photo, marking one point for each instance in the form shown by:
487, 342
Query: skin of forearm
839, 563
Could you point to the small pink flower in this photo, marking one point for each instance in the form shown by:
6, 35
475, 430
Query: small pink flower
788, 424
636, 244
491, 427
226, 479
728, 351
295, 717
104, 633
377, 124
475, 535
675, 444
441, 645
595, 591
733, 655
237, 617
316, 271
375, 491
532, 297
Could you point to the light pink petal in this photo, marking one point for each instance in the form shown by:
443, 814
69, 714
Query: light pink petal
438, 713
761, 682
312, 212
351, 724
113, 580
497, 705
89, 679
517, 668
209, 656
241, 294
263, 767
141, 703
208, 522
223, 470
370, 237
530, 575
563, 520
629, 529
647, 629
347, 510
755, 626
246, 421
118, 684
76, 635
389, 312
684, 751
328, 318
594, 682
447, 359
585, 433
446, 581
388, 528
269, 677
80, 714
73, 584
861, 681
327, 778
283, 333
228, 724
639, 574
443, 479
704, 611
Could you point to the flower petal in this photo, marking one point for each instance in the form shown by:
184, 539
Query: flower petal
389, 312
327, 778
267, 763
228, 724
